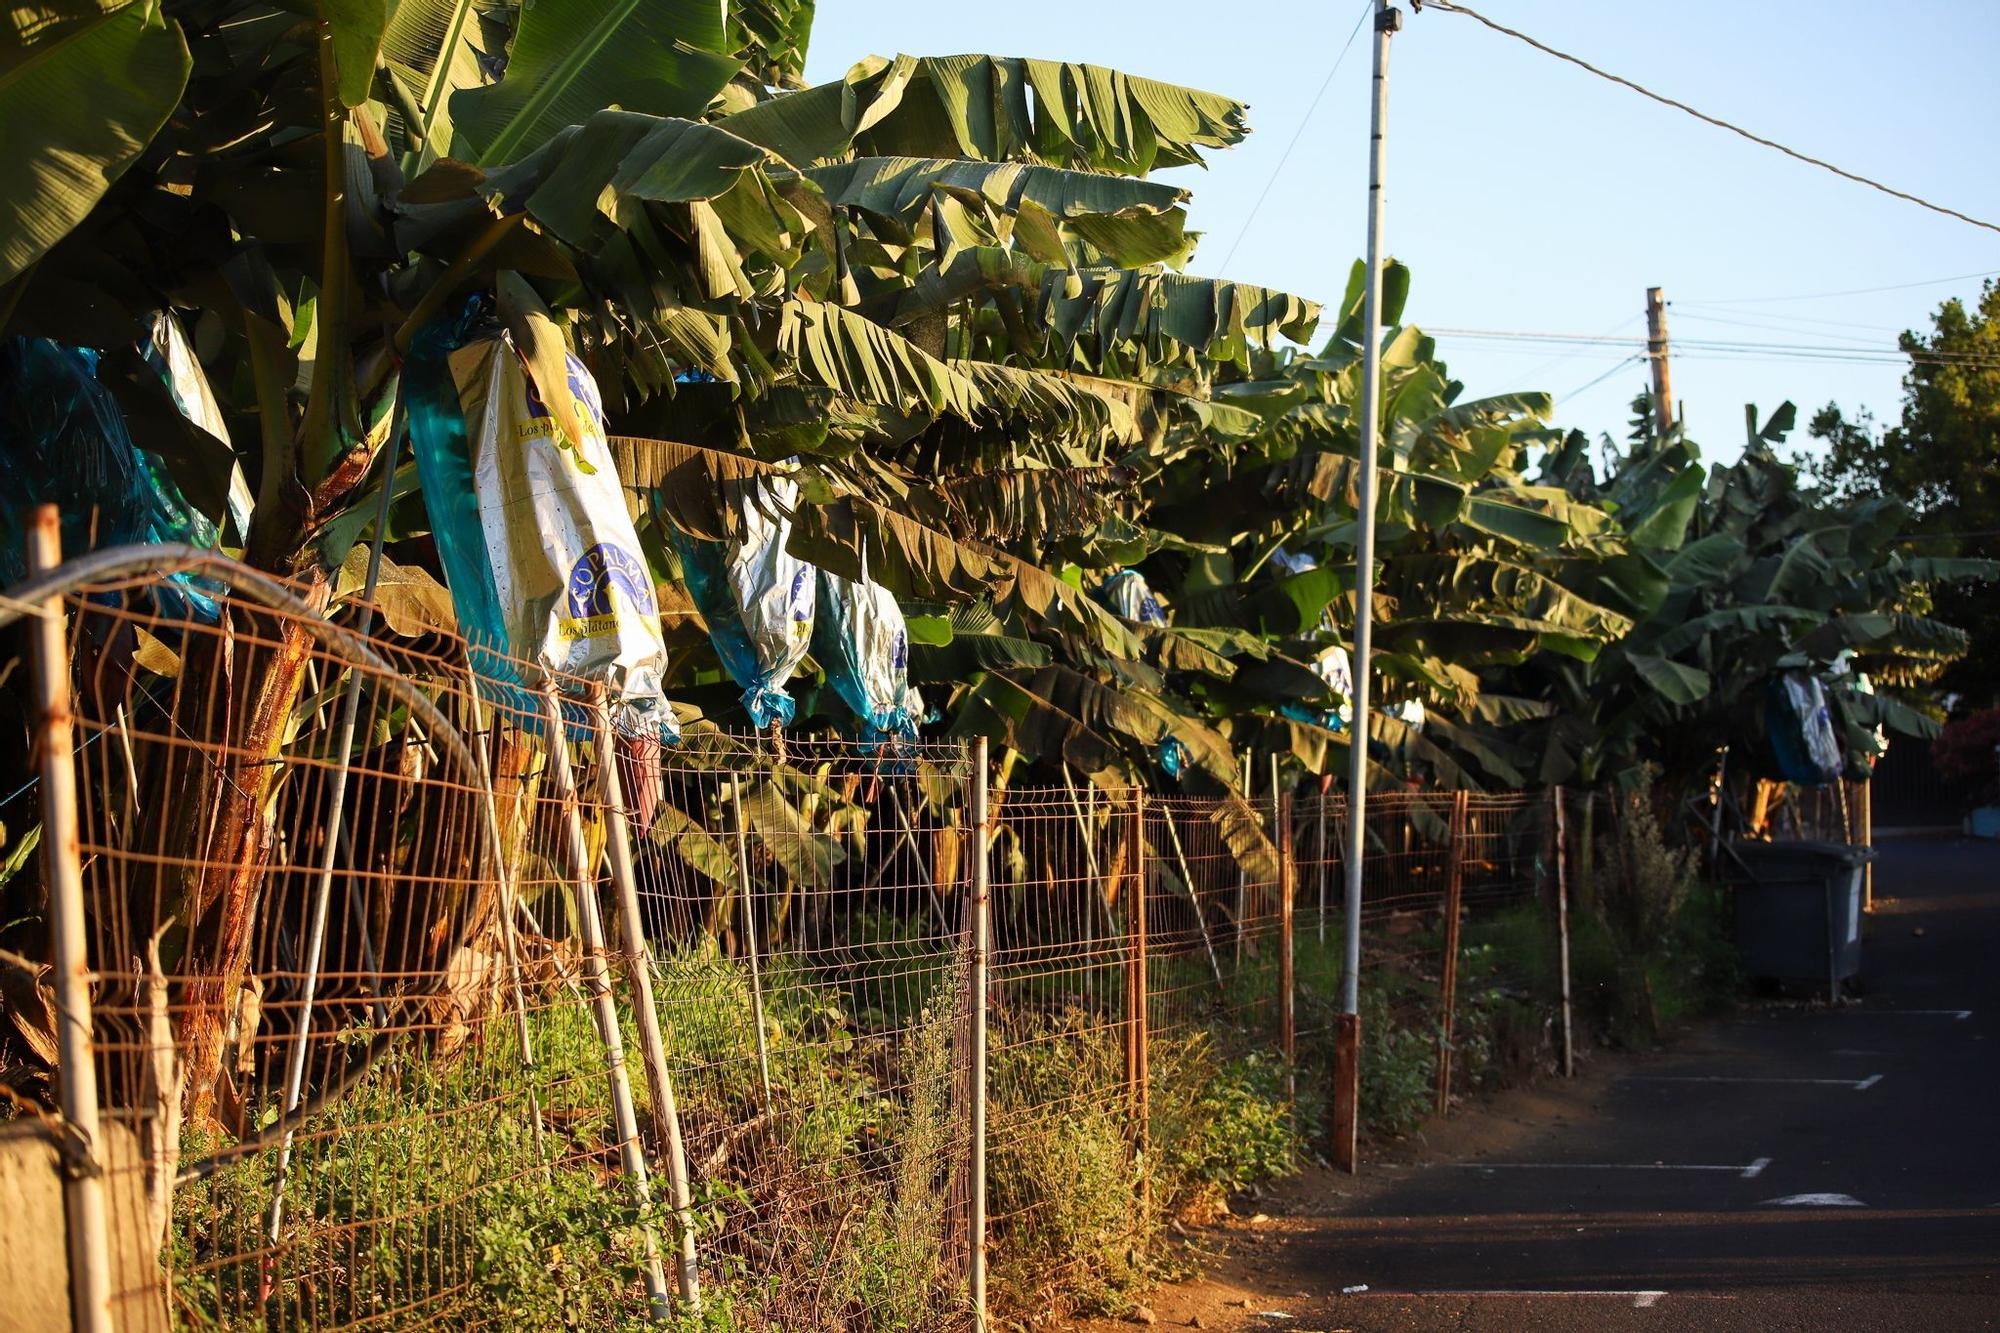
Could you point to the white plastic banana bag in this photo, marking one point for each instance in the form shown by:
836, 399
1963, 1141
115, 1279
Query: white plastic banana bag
574, 591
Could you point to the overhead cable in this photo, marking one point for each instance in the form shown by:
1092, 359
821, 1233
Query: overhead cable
1716, 121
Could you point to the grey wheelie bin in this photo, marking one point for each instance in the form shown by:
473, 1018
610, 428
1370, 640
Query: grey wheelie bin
1798, 909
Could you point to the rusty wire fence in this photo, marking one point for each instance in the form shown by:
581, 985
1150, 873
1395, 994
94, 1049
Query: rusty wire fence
424, 998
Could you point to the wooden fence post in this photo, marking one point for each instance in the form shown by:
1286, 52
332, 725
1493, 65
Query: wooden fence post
1868, 840
749, 923
1346, 1092
1562, 930
62, 872
1454, 894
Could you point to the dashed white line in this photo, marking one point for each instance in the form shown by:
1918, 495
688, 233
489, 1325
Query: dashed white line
1859, 1085
1750, 1172
1960, 1014
1641, 1300
1815, 1201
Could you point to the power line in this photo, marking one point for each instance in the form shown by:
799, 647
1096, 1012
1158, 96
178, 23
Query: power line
1851, 291
1723, 349
1793, 153
1593, 383
1367, 7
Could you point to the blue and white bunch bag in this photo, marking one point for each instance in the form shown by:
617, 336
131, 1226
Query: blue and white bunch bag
1129, 596
757, 598
568, 582
1335, 668
863, 644
1799, 725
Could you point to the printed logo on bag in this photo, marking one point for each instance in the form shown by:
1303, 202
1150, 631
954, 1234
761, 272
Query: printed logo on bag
540, 425
899, 656
801, 603
591, 594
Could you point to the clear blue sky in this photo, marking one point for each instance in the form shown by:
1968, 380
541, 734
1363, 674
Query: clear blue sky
1527, 195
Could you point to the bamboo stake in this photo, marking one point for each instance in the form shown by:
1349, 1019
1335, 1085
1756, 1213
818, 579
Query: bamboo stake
639, 972
503, 876
62, 869
598, 981
749, 915
1194, 897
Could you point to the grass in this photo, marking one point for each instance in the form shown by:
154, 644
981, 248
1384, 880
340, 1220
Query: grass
839, 1203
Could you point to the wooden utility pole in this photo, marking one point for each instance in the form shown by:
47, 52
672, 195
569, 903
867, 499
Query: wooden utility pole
1656, 352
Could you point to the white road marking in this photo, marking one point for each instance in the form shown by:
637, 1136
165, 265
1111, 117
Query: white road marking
1750, 1172
1641, 1300
1815, 1201
1859, 1085
1960, 1014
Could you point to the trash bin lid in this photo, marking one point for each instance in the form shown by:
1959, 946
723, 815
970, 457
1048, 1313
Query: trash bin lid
1847, 853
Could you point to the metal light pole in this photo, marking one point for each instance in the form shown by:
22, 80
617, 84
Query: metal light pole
1387, 21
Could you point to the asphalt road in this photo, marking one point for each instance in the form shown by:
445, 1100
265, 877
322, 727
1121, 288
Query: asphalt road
1797, 1167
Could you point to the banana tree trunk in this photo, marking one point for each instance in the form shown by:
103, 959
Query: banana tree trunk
224, 834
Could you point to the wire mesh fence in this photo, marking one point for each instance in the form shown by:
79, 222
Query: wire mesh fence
434, 999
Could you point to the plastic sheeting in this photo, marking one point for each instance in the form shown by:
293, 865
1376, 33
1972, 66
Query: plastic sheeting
1127, 594
540, 554
1335, 668
63, 441
757, 598
166, 349
862, 643
1800, 728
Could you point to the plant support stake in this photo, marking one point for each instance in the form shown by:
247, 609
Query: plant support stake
597, 980
749, 911
62, 868
646, 1015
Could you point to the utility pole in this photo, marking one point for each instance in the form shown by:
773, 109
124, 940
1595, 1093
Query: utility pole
1656, 352
1388, 20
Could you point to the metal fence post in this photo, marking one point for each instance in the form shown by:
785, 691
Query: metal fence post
1288, 874
1562, 930
1454, 896
749, 915
976, 993
1142, 1036
639, 971
62, 871
598, 981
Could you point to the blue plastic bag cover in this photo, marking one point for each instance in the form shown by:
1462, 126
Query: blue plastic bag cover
863, 644
538, 547
63, 442
1171, 755
1127, 594
1800, 728
1286, 563
167, 350
757, 598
